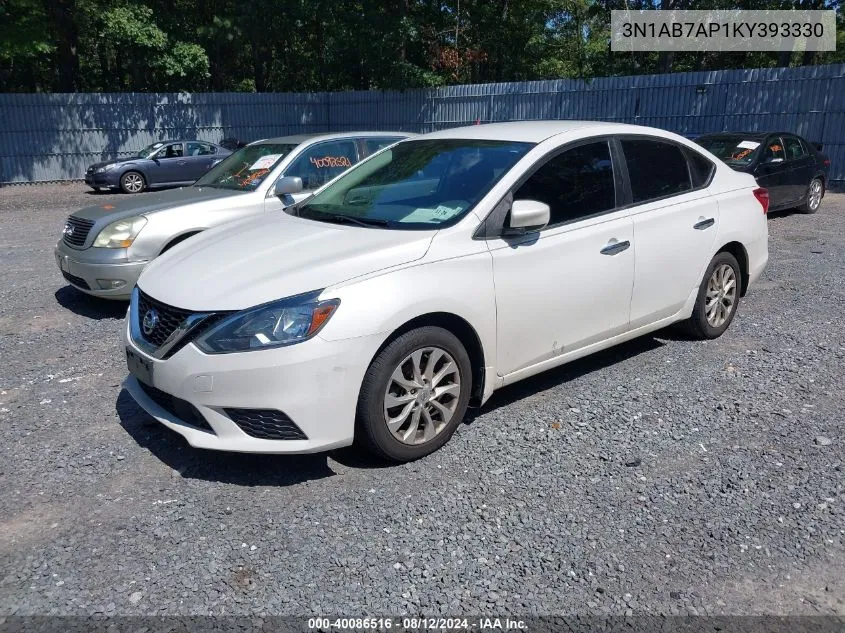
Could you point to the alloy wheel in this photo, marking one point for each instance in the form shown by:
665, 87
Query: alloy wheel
814, 197
721, 295
422, 395
133, 183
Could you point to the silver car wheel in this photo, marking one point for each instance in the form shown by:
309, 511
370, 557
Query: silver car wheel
721, 295
133, 183
422, 395
814, 196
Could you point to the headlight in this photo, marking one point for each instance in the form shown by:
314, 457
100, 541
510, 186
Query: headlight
275, 324
100, 170
120, 234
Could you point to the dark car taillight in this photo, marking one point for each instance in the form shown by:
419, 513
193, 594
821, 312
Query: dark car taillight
827, 162
762, 196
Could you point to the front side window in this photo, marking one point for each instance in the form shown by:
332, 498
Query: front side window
774, 152
418, 184
174, 150
322, 162
576, 184
656, 169
793, 148
247, 168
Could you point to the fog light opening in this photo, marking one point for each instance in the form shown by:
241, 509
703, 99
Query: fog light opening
110, 284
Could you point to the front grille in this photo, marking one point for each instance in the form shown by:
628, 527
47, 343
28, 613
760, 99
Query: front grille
76, 281
76, 231
169, 318
266, 424
182, 409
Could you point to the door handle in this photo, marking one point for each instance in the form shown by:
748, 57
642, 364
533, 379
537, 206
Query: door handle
704, 224
615, 247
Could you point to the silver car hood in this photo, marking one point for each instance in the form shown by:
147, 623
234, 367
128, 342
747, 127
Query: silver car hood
147, 203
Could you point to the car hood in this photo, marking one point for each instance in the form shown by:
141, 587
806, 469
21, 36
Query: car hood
151, 202
114, 161
268, 257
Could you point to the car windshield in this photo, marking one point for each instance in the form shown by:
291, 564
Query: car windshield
247, 168
418, 184
149, 150
736, 150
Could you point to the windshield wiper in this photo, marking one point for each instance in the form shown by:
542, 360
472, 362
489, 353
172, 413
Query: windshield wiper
348, 219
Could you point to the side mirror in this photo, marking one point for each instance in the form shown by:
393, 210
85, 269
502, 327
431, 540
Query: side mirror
287, 185
527, 216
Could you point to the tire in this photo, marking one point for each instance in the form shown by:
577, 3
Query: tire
813, 200
421, 418
699, 325
132, 182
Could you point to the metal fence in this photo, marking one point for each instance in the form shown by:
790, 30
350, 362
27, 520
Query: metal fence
49, 137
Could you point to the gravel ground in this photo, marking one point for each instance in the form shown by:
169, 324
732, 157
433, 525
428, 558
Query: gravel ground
664, 476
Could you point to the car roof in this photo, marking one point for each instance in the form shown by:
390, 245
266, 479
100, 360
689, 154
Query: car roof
316, 136
538, 131
748, 135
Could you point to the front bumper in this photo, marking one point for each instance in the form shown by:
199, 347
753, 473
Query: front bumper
83, 268
315, 384
105, 179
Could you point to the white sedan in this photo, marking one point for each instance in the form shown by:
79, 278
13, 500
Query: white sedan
432, 274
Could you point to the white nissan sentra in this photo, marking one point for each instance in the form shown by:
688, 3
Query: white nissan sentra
432, 274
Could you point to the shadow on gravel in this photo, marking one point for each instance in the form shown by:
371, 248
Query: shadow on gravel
556, 377
231, 468
88, 306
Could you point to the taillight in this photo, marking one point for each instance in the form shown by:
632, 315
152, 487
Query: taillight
762, 196
827, 162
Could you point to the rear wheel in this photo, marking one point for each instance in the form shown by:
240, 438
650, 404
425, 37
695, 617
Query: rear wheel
815, 193
414, 395
132, 182
718, 298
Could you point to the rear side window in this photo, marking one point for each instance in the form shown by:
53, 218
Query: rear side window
793, 148
372, 145
576, 184
700, 169
656, 169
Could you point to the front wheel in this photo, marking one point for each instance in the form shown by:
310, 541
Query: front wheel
414, 395
132, 182
815, 193
718, 298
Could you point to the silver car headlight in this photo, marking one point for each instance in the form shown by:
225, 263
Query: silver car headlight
274, 324
100, 170
120, 234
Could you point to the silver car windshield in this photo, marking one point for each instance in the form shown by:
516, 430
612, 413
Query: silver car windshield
247, 168
417, 184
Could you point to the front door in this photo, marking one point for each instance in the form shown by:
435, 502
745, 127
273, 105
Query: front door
568, 285
771, 173
168, 165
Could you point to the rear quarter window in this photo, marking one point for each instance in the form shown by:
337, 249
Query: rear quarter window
701, 169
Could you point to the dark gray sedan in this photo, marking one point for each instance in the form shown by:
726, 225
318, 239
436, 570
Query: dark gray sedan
162, 164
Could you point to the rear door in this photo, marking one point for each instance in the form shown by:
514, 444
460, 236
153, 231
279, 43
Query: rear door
800, 167
675, 224
198, 159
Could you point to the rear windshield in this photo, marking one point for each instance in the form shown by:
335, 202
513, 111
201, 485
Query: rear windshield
247, 168
732, 149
